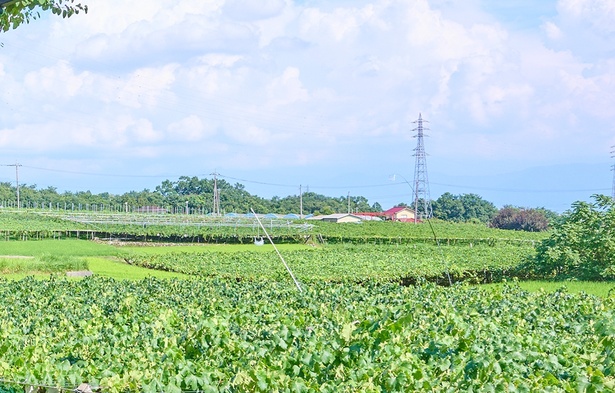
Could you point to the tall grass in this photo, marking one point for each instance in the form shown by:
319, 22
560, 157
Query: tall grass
597, 288
46, 263
69, 247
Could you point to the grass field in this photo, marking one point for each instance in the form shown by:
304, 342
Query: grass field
602, 289
67, 247
19, 259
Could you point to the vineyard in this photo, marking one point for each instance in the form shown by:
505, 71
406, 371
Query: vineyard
228, 336
352, 263
383, 307
205, 229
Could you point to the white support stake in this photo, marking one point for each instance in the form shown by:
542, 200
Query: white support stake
276, 250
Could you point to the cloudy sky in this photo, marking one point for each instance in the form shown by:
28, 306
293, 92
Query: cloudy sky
275, 94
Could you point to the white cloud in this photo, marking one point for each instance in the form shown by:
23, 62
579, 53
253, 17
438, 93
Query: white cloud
143, 131
190, 128
600, 14
318, 26
552, 30
250, 135
287, 88
290, 83
43, 137
59, 80
253, 10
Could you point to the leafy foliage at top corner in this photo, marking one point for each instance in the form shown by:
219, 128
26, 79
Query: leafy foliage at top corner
15, 13
581, 245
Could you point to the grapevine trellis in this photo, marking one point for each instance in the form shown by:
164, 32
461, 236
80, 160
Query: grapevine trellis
180, 220
34, 225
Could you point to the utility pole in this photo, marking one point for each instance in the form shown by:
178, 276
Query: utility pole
16, 165
422, 199
300, 202
348, 199
613, 169
216, 210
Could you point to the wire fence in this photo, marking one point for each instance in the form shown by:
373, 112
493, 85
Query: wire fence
134, 209
104, 207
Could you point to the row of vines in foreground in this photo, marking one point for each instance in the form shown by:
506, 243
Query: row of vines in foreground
352, 263
229, 336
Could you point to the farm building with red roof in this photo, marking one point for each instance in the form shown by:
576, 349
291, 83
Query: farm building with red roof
399, 213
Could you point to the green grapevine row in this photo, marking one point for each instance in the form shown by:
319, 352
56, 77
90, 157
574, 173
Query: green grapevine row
235, 336
480, 263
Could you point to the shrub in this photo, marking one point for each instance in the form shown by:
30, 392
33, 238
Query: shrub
530, 220
582, 244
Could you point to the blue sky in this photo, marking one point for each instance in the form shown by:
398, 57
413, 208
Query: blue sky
276, 94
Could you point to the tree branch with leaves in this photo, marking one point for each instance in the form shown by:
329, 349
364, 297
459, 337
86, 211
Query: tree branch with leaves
14, 13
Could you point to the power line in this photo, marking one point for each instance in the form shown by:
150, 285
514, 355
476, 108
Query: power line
97, 174
320, 187
295, 185
520, 189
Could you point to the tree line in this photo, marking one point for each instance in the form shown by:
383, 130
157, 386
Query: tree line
192, 193
196, 194
473, 208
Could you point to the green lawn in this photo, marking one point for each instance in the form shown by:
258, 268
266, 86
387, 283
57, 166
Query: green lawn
597, 288
107, 267
66, 247
100, 259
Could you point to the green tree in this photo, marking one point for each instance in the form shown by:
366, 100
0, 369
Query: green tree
476, 208
448, 207
582, 244
16, 12
7, 192
462, 208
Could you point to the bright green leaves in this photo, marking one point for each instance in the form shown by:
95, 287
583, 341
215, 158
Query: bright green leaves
23, 11
351, 263
582, 244
215, 335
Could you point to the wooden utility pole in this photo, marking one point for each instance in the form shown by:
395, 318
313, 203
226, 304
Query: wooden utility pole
348, 200
216, 210
300, 202
16, 165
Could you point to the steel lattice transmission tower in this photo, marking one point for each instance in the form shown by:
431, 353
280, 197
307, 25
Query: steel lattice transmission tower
422, 200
